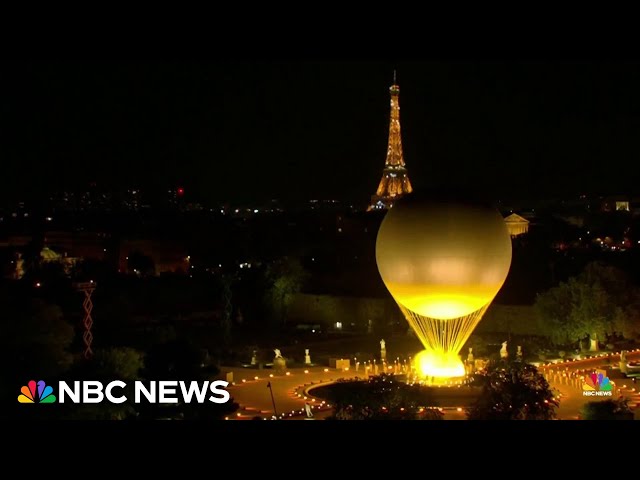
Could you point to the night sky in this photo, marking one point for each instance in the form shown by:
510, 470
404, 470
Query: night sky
298, 130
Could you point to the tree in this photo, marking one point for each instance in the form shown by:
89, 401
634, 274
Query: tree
286, 277
627, 321
623, 298
140, 263
34, 345
607, 410
120, 363
182, 360
91, 269
106, 366
227, 295
175, 360
598, 302
35, 337
113, 320
381, 398
513, 391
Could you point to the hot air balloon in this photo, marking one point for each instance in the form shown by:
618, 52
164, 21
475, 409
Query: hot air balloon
443, 260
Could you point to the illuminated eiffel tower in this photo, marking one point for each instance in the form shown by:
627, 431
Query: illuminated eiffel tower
395, 180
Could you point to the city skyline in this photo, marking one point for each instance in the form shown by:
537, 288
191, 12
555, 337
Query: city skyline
176, 226
299, 130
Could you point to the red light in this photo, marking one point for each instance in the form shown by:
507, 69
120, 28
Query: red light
180, 191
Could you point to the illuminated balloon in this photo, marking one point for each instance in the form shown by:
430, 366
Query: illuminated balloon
443, 260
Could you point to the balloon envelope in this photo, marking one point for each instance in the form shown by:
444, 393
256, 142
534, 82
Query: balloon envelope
443, 259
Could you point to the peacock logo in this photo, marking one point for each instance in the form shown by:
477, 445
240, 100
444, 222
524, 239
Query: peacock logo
597, 385
38, 392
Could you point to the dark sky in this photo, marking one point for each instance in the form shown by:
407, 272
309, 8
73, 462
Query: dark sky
299, 130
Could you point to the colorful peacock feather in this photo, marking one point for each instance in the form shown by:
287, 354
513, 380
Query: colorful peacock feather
597, 381
38, 392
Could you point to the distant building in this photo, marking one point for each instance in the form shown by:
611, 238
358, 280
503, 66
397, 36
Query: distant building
622, 206
87, 245
165, 256
49, 256
13, 241
516, 225
615, 204
573, 220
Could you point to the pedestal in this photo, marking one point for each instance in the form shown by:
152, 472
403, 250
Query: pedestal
279, 364
624, 367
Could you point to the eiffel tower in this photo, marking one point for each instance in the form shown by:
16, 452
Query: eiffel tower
395, 180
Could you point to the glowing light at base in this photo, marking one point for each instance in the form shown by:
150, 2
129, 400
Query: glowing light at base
439, 364
446, 336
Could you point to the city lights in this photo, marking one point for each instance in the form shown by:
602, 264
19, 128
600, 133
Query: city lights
491, 300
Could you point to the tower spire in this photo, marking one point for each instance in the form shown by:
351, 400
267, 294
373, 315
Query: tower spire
395, 180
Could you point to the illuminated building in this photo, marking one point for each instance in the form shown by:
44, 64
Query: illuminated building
622, 206
443, 262
615, 204
78, 244
395, 180
49, 256
516, 225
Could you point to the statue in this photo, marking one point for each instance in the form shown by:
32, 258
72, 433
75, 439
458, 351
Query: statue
279, 362
18, 273
503, 350
307, 409
370, 326
307, 357
624, 367
469, 364
519, 353
479, 364
383, 350
254, 357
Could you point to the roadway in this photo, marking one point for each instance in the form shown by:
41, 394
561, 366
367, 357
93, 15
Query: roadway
250, 391
254, 396
566, 378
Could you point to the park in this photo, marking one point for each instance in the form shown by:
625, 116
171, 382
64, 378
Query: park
443, 306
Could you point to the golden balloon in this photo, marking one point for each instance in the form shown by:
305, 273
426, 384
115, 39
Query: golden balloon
443, 261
